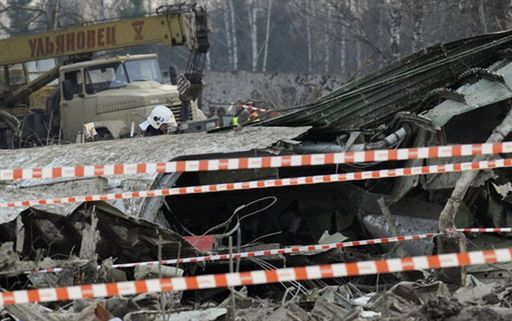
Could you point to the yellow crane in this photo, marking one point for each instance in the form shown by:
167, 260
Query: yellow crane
177, 25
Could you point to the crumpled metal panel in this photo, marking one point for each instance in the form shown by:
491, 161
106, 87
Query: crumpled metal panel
477, 95
146, 149
400, 86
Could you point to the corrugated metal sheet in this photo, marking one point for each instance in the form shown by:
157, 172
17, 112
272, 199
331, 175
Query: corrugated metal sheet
400, 86
148, 149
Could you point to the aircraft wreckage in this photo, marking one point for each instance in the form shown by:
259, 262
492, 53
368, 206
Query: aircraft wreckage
453, 93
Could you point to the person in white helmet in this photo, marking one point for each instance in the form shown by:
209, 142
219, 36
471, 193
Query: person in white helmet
158, 122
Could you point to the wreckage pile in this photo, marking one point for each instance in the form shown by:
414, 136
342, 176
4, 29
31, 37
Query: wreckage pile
456, 93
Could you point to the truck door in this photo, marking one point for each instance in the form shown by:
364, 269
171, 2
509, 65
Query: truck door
74, 109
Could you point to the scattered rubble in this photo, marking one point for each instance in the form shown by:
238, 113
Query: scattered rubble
448, 94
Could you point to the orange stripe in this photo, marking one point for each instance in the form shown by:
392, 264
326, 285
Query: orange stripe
382, 266
246, 278
141, 286
352, 269
221, 280
203, 165
463, 259
99, 170
112, 289
329, 158
17, 173
306, 160
407, 263
489, 256
326, 271
266, 162
349, 157
191, 282
272, 276
433, 261
456, 150
33, 295
412, 153
79, 171
476, 149
8, 297
286, 161
141, 168
301, 273
62, 294
243, 163
497, 148
37, 173
369, 156
166, 285
392, 154
57, 172
433, 152
223, 164
160, 168
86, 291
118, 169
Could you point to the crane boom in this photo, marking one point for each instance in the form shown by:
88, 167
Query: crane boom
170, 26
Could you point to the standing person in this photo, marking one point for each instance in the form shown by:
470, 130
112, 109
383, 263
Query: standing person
241, 115
221, 112
158, 122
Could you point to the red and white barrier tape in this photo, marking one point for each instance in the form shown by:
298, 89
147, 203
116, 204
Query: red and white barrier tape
305, 180
252, 108
256, 277
292, 249
287, 250
256, 162
485, 230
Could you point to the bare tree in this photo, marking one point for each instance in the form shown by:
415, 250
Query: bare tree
418, 12
395, 26
308, 37
233, 35
252, 14
267, 36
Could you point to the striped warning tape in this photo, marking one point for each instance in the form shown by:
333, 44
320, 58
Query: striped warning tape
292, 249
286, 250
486, 230
256, 162
305, 180
252, 108
256, 277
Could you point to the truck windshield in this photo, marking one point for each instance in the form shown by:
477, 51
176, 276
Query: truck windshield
143, 69
103, 77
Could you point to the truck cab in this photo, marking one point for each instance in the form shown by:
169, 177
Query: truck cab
116, 94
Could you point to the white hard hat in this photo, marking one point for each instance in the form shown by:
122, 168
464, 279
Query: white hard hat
159, 115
